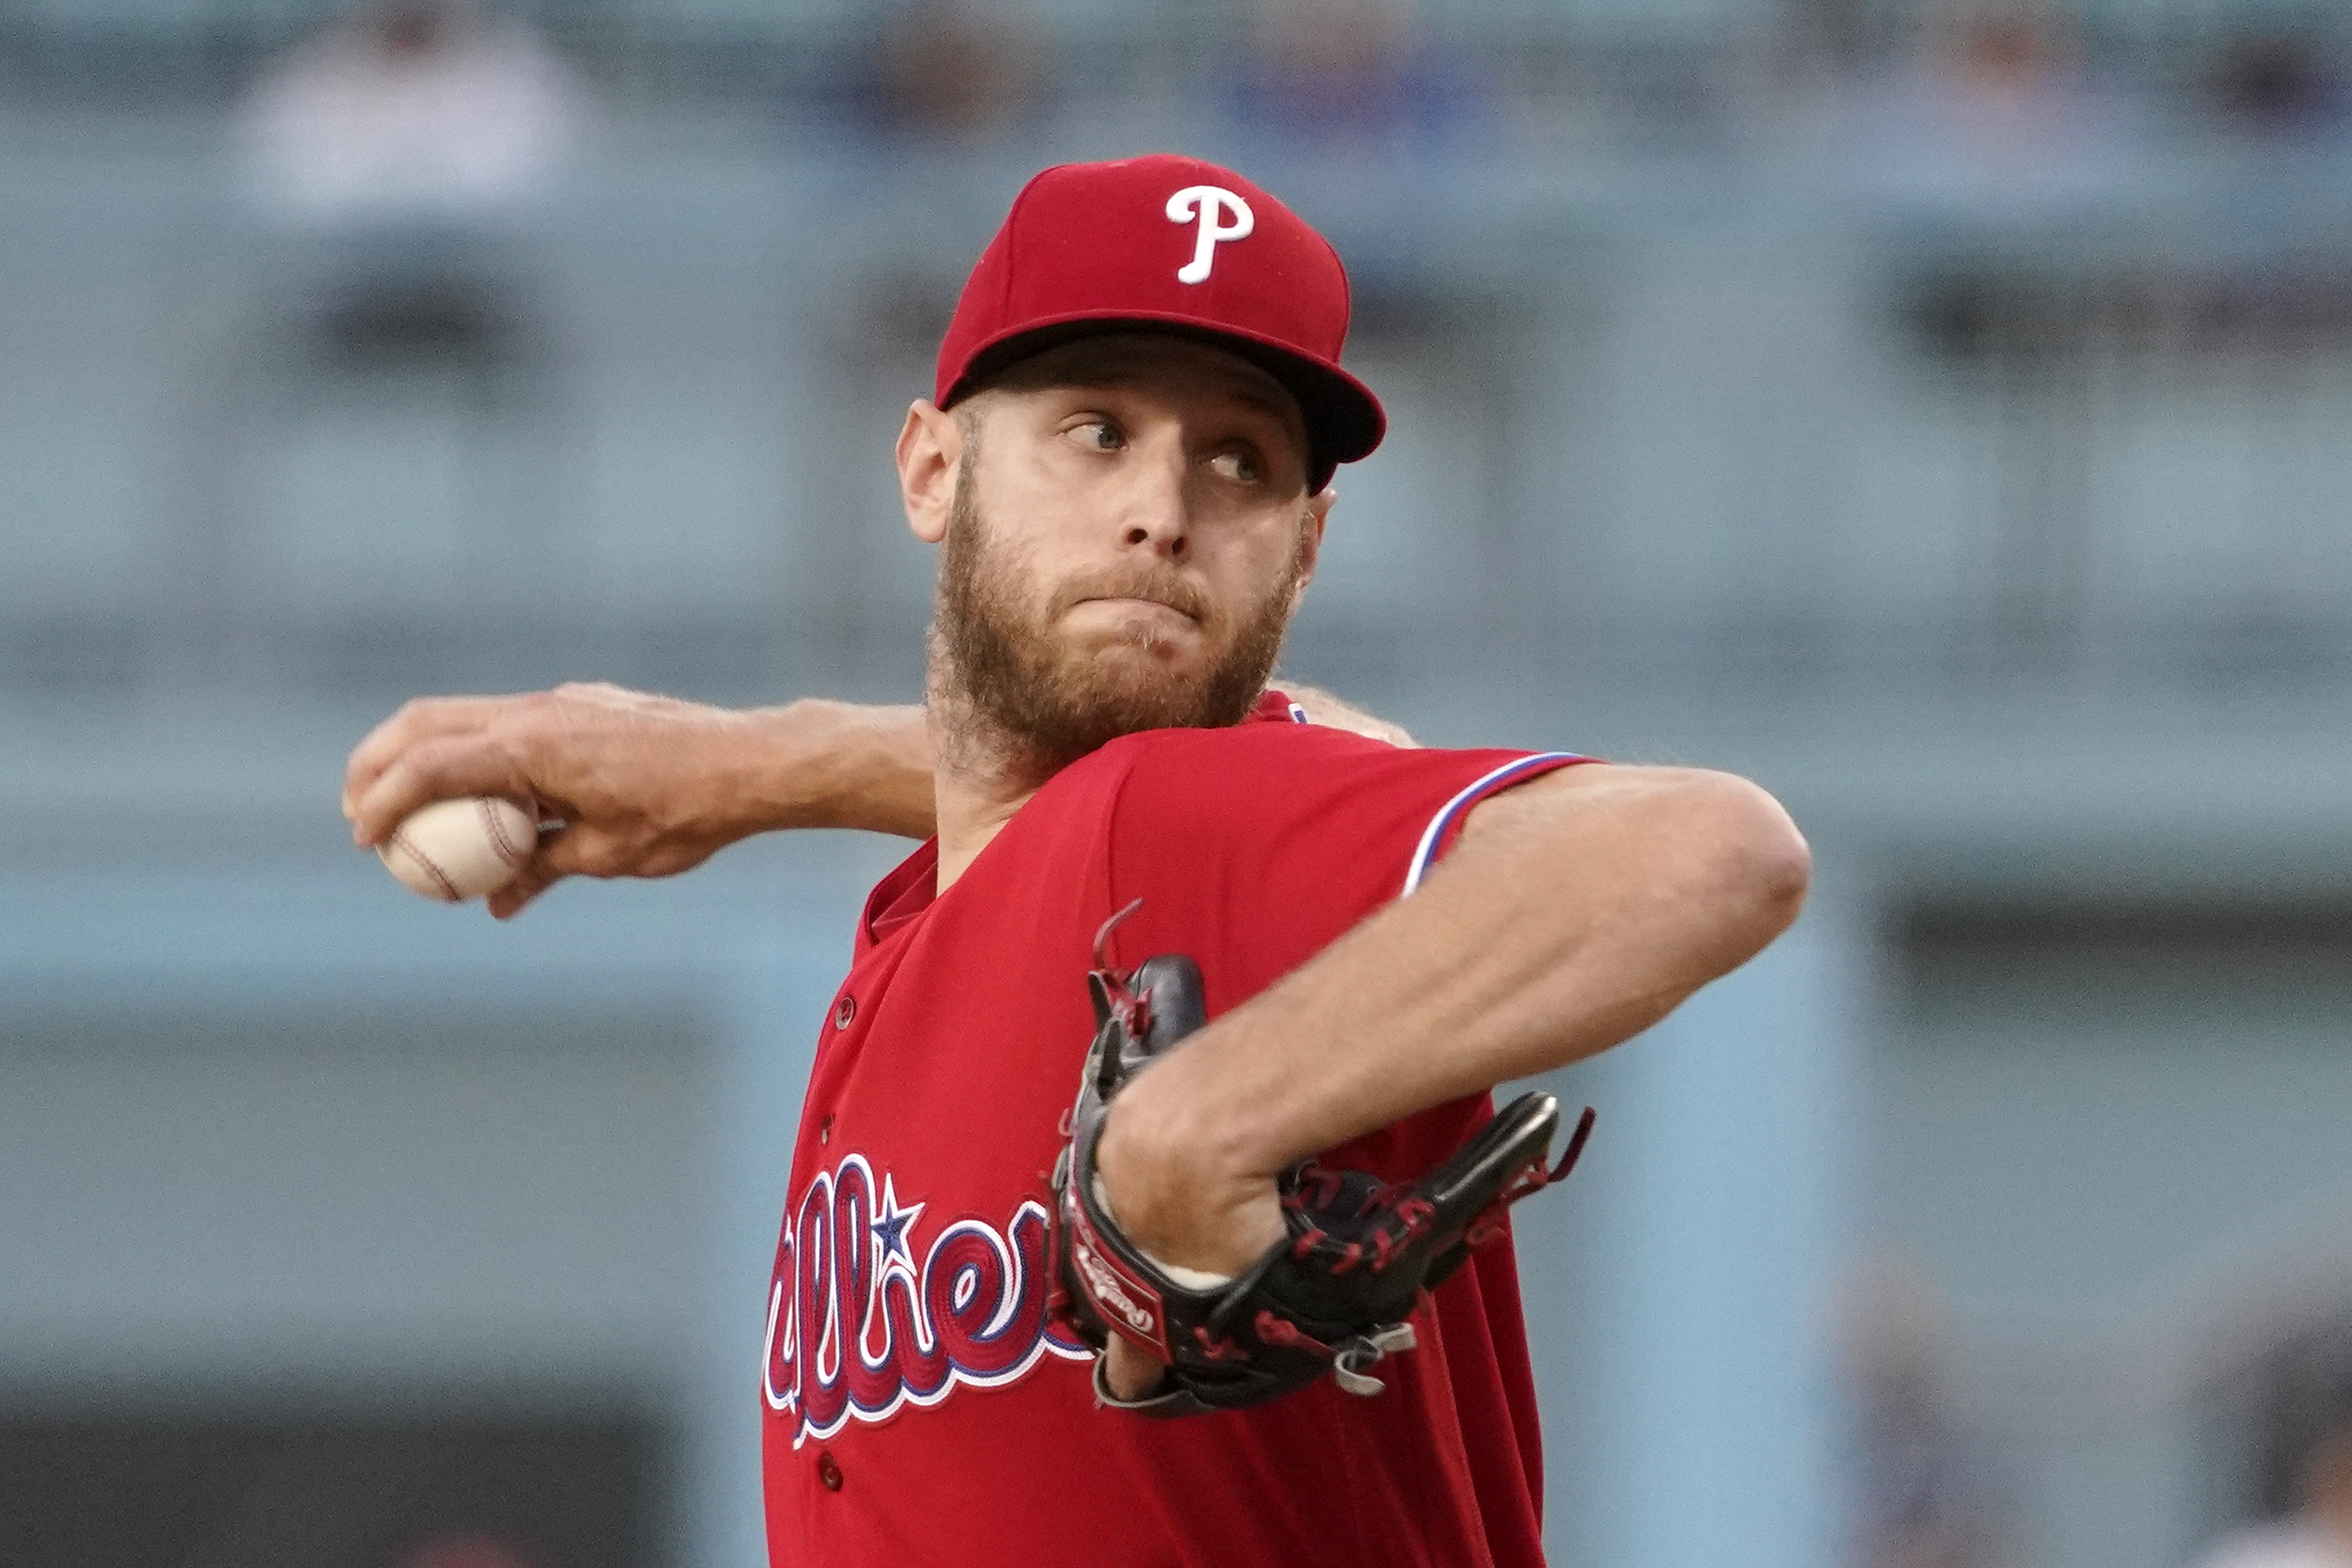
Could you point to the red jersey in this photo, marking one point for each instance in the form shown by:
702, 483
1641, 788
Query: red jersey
921, 1407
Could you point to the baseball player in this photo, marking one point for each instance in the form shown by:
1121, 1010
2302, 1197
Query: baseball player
1288, 961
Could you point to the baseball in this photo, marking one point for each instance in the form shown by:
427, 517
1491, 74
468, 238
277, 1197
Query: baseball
456, 850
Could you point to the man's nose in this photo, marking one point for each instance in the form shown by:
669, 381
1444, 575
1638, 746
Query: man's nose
1156, 511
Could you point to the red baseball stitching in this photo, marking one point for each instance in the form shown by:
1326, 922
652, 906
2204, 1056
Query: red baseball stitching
449, 894
508, 851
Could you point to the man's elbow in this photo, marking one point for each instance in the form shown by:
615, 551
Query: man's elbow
1716, 854
1755, 865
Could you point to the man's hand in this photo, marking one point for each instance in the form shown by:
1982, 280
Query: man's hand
1173, 1201
1245, 1284
643, 785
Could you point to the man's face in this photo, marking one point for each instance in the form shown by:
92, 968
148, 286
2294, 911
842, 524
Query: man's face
1130, 536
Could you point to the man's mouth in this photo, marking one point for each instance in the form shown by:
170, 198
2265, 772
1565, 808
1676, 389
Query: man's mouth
1141, 598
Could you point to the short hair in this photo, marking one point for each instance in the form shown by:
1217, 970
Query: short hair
1103, 358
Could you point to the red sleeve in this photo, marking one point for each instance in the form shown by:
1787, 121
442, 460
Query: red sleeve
1267, 841
1253, 848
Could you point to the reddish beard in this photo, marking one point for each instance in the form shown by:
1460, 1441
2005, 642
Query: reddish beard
1050, 704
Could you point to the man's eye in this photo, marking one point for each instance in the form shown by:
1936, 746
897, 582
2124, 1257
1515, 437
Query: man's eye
1099, 435
1241, 465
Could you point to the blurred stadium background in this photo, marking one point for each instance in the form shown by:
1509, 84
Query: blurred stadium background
1939, 410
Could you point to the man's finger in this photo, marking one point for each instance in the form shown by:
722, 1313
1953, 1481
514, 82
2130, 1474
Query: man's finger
1131, 1373
577, 850
421, 719
441, 770
570, 850
528, 884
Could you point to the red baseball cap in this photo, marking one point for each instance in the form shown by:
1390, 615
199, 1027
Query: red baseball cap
1167, 244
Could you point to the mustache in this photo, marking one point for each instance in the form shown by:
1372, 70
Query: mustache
1159, 584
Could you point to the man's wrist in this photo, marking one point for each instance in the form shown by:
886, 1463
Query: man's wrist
1176, 1187
1193, 1109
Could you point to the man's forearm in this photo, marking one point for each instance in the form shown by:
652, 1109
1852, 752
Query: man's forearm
818, 764
1578, 911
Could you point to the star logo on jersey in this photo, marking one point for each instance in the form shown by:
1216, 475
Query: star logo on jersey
890, 1225
866, 1315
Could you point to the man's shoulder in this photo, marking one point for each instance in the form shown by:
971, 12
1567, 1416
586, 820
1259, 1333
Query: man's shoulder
1197, 774
1253, 742
1256, 762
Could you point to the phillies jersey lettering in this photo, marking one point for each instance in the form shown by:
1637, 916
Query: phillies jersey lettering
858, 1326
916, 1392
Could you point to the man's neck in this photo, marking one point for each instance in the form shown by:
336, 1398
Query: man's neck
978, 783
969, 819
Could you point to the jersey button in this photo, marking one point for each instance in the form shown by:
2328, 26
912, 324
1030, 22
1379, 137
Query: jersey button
828, 1472
844, 1010
825, 1129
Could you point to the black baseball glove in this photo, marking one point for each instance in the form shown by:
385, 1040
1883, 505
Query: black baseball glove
1361, 1254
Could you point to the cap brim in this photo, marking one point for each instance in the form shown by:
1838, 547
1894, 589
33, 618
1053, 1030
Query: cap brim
1344, 421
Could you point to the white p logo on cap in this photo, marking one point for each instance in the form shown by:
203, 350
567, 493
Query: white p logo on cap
1209, 205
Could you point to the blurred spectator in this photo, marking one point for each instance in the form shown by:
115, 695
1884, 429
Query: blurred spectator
960, 70
2318, 1535
2277, 86
1347, 70
1995, 102
1923, 1499
409, 108
405, 146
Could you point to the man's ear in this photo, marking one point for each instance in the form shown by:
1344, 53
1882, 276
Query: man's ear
930, 449
1311, 540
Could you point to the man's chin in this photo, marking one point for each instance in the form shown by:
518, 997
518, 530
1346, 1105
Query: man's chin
1116, 686
1139, 698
